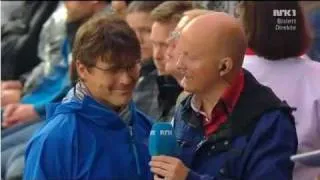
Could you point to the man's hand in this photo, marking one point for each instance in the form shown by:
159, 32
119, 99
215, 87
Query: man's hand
10, 96
169, 167
17, 113
11, 85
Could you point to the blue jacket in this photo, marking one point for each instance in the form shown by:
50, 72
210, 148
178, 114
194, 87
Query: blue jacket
255, 143
86, 140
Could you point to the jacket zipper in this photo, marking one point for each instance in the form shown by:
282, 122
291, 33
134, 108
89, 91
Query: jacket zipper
135, 152
199, 145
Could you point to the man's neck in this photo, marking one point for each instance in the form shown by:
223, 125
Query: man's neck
209, 98
117, 109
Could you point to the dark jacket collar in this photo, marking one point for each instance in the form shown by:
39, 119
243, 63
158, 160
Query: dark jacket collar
169, 91
254, 101
147, 67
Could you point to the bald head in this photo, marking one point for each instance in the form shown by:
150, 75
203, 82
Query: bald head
221, 34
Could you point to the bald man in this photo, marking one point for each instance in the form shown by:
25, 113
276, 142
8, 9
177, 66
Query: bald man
230, 126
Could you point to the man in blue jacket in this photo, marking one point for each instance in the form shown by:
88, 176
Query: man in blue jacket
230, 127
96, 131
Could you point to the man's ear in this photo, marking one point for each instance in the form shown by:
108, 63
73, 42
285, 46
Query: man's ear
82, 70
225, 66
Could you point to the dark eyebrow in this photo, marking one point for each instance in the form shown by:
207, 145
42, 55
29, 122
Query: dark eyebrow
144, 29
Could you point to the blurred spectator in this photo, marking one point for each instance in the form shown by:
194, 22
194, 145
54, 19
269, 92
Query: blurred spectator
49, 49
312, 10
51, 38
20, 38
274, 58
165, 18
7, 7
222, 6
139, 19
120, 7
52, 88
314, 18
57, 80
147, 91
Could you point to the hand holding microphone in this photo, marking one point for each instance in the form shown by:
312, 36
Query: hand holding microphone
163, 147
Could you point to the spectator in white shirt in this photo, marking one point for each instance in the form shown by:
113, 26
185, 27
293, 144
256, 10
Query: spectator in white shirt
275, 59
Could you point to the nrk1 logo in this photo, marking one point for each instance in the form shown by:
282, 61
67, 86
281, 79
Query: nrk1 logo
284, 12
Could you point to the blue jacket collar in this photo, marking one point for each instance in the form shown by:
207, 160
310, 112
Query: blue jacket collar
92, 110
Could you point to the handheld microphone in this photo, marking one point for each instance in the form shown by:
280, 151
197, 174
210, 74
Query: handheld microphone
162, 141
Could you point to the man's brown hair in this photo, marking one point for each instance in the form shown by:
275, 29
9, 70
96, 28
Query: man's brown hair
171, 11
261, 25
106, 37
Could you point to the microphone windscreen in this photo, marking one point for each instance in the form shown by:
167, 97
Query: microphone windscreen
162, 140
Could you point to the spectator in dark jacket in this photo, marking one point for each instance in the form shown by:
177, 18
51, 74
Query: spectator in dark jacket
20, 38
165, 18
151, 93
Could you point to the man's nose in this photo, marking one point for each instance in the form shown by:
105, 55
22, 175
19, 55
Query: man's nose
180, 66
169, 50
139, 36
125, 78
158, 55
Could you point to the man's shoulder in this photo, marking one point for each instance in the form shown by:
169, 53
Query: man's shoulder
278, 113
59, 128
276, 124
277, 120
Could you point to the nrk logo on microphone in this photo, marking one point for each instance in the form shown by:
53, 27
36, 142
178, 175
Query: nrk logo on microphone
162, 140
162, 132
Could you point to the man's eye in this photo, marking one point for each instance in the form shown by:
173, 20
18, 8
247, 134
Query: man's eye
165, 45
145, 30
113, 70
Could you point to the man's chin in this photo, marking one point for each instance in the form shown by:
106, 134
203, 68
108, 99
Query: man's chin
122, 103
162, 72
189, 89
187, 86
125, 100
